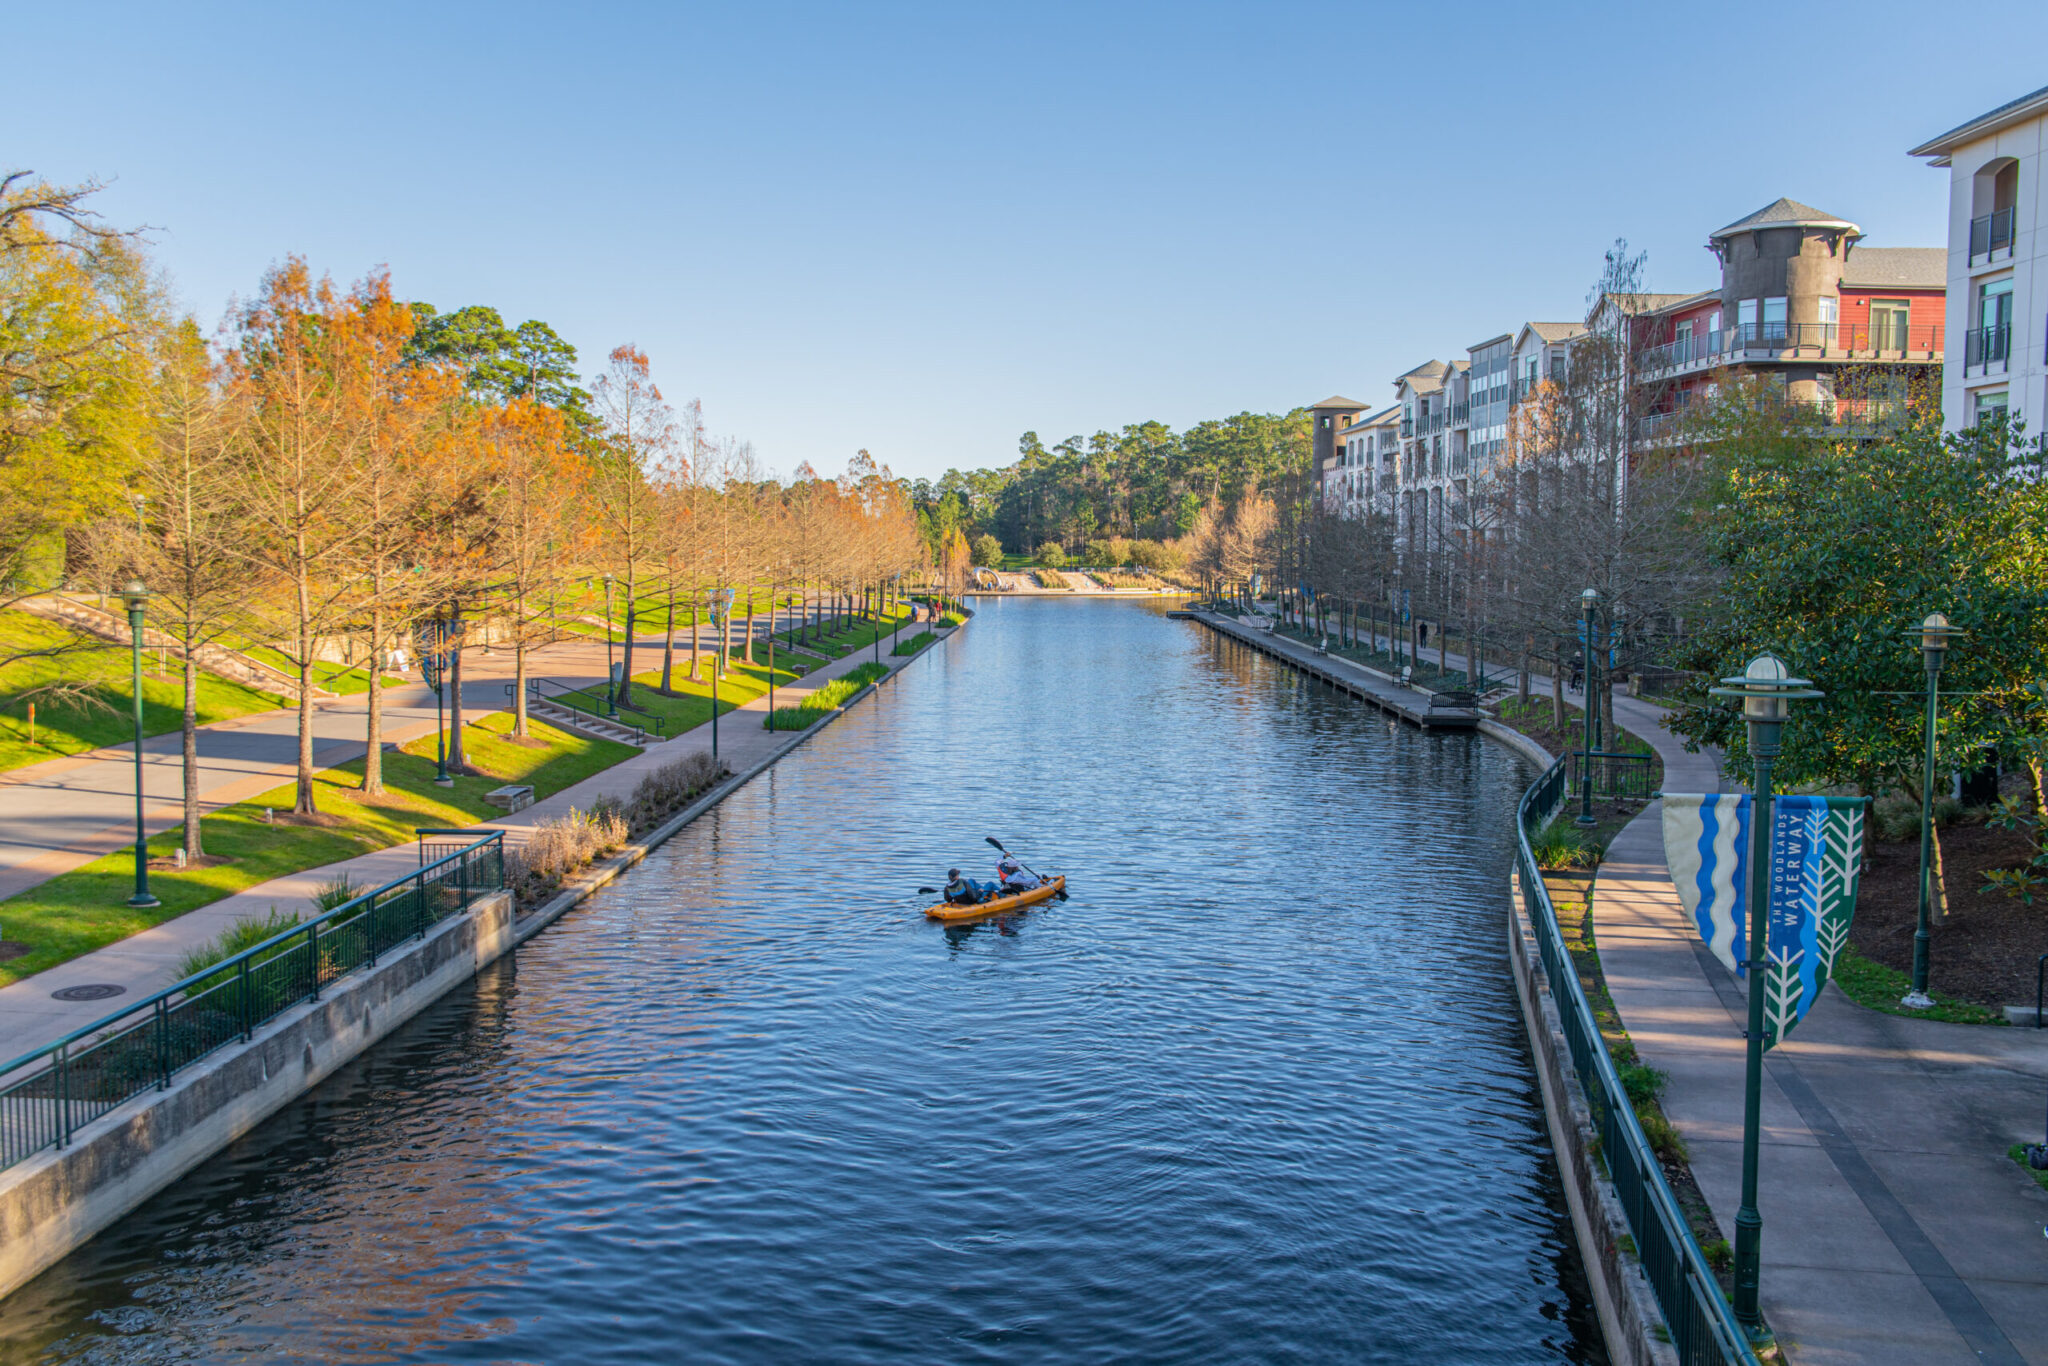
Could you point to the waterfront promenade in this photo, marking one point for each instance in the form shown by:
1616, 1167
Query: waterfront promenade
146, 961
1896, 1230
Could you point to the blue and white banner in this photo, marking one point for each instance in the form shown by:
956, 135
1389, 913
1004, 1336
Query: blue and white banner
1816, 862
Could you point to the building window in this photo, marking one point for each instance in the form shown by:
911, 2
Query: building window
1830, 315
1774, 319
1745, 320
1714, 321
1889, 321
1991, 343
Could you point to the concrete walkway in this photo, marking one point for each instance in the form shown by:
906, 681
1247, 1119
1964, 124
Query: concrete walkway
145, 962
1896, 1230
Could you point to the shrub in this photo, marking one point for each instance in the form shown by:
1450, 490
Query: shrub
1643, 1083
671, 787
245, 933
335, 892
912, 645
559, 847
833, 694
987, 550
1561, 844
1106, 554
1052, 554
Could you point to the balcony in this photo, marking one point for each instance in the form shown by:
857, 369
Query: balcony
1986, 347
1884, 341
1407, 428
1460, 414
1992, 234
1835, 417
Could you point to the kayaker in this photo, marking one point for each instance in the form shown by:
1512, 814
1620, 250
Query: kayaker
962, 891
1011, 877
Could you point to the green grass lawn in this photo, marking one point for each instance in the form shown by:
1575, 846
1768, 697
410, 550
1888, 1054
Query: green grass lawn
338, 679
83, 909
72, 727
856, 635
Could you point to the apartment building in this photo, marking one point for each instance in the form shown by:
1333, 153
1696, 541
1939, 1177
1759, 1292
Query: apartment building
1328, 418
1853, 331
1362, 480
1996, 275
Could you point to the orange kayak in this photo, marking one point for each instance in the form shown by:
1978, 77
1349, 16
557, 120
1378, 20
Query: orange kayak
996, 906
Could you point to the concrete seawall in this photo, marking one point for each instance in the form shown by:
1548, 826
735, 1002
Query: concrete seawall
58, 1199
1629, 1317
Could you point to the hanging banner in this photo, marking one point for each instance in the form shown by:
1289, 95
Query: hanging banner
1816, 861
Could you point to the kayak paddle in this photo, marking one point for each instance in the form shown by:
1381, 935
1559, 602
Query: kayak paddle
1022, 864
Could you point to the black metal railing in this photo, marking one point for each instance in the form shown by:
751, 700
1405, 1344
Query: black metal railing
1991, 233
1615, 774
1987, 346
1884, 339
56, 1089
1697, 1316
595, 702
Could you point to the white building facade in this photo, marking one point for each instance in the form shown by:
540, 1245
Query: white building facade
1997, 355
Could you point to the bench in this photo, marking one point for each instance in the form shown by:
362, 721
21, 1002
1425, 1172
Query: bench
510, 797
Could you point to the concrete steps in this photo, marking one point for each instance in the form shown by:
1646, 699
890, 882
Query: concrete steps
215, 659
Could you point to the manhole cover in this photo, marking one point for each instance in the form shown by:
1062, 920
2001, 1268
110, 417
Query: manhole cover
91, 991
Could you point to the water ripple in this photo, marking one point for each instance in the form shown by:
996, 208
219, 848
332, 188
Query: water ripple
1257, 1093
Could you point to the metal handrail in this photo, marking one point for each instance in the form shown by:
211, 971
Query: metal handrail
1701, 1322
92, 1070
1985, 345
599, 706
1990, 232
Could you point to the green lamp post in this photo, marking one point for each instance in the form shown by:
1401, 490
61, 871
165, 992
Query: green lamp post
1934, 634
137, 599
1766, 688
721, 608
611, 681
1589, 607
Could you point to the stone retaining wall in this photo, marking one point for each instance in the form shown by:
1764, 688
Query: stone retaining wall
1630, 1320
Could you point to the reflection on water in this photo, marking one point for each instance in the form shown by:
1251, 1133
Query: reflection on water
1257, 1092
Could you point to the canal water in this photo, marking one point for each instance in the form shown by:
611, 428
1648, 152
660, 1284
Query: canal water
1257, 1093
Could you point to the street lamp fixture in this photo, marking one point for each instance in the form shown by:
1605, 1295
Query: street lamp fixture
1934, 634
136, 597
1767, 689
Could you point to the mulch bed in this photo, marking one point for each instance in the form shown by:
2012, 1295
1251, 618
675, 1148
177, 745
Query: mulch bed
1986, 949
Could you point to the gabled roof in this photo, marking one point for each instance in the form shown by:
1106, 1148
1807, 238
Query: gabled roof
1685, 301
1785, 213
1634, 305
1896, 268
1338, 401
1431, 368
1457, 367
2014, 111
1382, 418
1552, 332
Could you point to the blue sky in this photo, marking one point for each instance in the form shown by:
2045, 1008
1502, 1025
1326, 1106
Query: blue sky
923, 229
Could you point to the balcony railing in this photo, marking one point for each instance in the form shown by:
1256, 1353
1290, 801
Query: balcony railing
1991, 234
1883, 340
1835, 416
1407, 428
1460, 413
1987, 346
